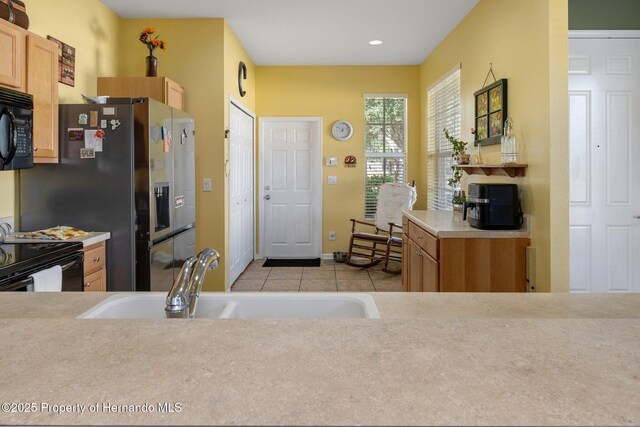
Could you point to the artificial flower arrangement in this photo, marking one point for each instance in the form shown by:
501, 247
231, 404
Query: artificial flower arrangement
146, 37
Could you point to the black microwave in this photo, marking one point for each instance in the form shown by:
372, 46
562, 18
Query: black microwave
16, 130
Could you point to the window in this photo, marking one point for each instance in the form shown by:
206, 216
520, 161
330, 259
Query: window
443, 111
385, 123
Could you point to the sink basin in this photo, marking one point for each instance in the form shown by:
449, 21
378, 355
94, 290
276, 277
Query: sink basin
242, 306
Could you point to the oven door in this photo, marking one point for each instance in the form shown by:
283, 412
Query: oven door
72, 275
8, 137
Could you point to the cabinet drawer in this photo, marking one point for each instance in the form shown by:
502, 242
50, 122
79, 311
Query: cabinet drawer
425, 240
95, 282
94, 258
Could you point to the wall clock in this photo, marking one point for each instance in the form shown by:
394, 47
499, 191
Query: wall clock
342, 130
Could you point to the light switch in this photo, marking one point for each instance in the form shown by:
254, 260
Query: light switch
332, 180
331, 161
206, 184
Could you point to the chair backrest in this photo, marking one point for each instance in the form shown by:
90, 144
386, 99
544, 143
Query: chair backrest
392, 199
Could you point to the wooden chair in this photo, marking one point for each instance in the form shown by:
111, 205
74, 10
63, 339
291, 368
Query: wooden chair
383, 240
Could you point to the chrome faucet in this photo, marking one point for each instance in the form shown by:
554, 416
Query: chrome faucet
183, 296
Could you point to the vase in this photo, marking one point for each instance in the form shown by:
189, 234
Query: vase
152, 65
464, 159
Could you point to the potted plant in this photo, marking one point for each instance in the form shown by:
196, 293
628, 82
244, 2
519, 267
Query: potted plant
460, 157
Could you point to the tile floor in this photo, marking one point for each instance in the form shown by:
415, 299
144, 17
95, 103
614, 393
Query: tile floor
329, 277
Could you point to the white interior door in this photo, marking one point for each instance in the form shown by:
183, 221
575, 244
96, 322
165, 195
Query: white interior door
241, 191
604, 116
291, 187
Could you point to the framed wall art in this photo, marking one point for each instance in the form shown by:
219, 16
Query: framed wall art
490, 112
66, 62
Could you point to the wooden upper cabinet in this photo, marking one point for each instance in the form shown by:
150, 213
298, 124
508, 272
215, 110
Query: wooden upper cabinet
159, 88
42, 83
12, 47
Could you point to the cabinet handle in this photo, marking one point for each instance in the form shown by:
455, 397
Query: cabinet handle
419, 237
96, 259
35, 148
86, 285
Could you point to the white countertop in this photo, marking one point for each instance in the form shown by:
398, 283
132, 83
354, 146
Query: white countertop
90, 239
432, 358
449, 224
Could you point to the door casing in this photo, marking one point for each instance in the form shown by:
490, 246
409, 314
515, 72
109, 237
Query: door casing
318, 202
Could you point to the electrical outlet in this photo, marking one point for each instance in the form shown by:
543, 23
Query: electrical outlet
332, 180
206, 184
332, 235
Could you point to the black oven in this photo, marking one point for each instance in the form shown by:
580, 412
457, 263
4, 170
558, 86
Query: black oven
16, 130
19, 261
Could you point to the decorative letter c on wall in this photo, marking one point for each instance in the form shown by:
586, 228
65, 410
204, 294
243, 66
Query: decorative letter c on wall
242, 75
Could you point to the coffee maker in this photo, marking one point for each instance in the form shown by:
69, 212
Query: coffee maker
493, 207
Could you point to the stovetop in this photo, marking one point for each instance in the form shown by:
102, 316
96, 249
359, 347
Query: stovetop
17, 257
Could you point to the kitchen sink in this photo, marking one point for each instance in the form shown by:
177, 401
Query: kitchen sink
242, 306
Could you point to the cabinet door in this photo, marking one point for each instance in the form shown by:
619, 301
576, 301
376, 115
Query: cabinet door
12, 60
96, 282
174, 95
405, 263
415, 267
429, 273
42, 83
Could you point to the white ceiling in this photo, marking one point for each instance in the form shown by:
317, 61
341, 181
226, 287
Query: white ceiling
320, 32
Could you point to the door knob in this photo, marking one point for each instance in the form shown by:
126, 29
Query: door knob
267, 188
267, 197
636, 217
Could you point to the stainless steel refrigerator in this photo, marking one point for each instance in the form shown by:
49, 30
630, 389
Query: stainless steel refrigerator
137, 182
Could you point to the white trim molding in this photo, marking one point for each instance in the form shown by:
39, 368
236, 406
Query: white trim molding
604, 34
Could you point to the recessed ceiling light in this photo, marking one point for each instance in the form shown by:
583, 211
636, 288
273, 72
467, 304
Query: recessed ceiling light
375, 42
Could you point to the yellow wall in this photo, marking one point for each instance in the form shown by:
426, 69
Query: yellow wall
528, 47
196, 65
335, 93
93, 30
203, 56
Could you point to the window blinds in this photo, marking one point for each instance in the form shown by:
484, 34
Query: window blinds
443, 111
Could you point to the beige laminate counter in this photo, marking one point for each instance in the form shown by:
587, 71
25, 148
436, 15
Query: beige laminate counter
431, 359
448, 224
90, 239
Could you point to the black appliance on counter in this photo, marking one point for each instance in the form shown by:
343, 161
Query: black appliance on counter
493, 207
16, 130
20, 260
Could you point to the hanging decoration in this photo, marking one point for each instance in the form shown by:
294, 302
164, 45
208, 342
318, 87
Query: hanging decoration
490, 110
350, 161
242, 75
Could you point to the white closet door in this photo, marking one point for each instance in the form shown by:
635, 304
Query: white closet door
241, 192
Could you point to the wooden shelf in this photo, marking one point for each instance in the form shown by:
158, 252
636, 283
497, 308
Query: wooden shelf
512, 170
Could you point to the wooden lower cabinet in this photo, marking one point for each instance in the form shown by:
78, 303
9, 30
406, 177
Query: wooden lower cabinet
483, 265
95, 272
422, 269
96, 282
432, 264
